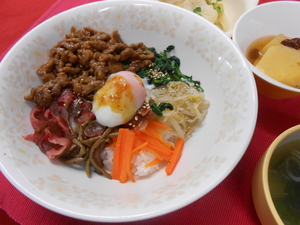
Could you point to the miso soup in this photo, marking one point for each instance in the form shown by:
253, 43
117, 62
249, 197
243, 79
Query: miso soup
284, 182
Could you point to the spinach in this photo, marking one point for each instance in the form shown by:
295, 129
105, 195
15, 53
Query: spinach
165, 69
157, 109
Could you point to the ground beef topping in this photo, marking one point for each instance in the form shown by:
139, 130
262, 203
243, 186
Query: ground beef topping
83, 61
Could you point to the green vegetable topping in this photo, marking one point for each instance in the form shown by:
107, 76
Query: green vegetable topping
197, 10
165, 69
214, 4
157, 109
217, 8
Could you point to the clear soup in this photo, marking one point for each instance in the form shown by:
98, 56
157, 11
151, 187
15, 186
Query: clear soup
284, 181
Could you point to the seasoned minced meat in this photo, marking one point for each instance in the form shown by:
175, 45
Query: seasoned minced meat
83, 61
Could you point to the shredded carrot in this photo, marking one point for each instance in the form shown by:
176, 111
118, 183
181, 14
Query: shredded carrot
157, 155
127, 139
168, 144
153, 162
113, 143
175, 156
155, 150
117, 159
137, 132
122, 155
128, 155
139, 147
158, 130
130, 176
138, 144
154, 143
152, 133
131, 142
157, 124
136, 153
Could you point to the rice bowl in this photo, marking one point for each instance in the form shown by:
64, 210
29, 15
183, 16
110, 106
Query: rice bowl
206, 53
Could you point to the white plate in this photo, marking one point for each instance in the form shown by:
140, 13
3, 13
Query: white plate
209, 156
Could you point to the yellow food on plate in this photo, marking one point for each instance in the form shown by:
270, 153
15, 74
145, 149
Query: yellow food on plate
276, 40
282, 64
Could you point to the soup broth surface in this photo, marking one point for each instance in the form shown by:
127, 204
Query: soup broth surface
284, 182
253, 53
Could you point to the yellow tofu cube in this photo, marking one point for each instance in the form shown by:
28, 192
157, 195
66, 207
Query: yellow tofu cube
281, 63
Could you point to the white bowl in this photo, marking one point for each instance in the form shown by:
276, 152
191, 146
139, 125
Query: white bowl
268, 19
209, 155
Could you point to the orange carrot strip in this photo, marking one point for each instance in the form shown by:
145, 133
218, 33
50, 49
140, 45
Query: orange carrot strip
153, 162
136, 153
137, 142
130, 176
113, 142
146, 132
139, 147
157, 155
137, 132
153, 133
168, 144
158, 130
117, 159
110, 145
129, 155
142, 145
123, 135
158, 150
157, 124
154, 143
127, 144
175, 156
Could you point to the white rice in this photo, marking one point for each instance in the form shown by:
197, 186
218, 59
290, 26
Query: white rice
139, 161
108, 155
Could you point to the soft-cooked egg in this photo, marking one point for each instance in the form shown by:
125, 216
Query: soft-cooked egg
118, 100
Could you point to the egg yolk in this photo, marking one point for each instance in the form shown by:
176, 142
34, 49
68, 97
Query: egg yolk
118, 100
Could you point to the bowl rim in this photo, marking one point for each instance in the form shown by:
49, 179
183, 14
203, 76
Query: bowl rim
265, 168
255, 70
